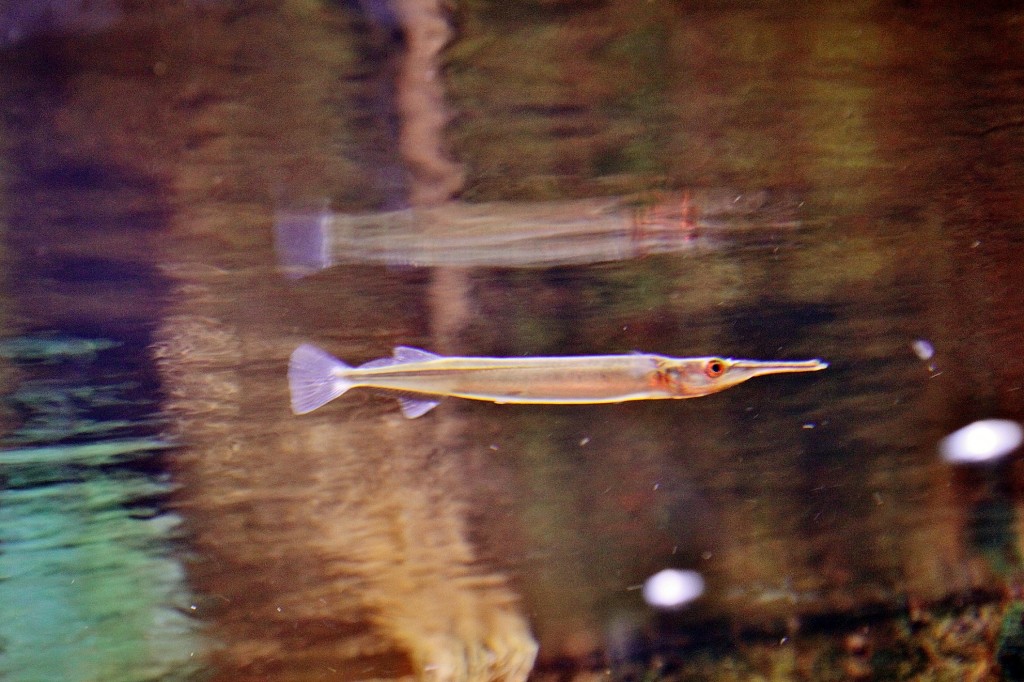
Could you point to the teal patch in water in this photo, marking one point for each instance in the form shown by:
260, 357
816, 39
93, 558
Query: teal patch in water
92, 454
88, 589
55, 348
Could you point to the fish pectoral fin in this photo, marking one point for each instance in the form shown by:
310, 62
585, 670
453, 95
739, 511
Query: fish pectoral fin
409, 354
416, 407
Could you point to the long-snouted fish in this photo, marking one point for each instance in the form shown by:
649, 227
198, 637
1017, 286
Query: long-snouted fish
420, 377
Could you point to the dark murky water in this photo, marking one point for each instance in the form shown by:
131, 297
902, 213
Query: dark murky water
750, 181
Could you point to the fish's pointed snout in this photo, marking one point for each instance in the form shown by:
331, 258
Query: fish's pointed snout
761, 367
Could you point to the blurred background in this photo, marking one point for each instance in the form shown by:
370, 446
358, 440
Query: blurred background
191, 188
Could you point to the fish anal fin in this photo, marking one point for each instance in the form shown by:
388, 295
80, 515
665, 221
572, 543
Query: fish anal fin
409, 354
416, 407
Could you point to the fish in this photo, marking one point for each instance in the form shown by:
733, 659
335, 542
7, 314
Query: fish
420, 378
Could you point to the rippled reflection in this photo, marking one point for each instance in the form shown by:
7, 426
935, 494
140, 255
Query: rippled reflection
510, 234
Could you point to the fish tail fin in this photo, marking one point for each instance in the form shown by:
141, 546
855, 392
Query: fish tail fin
302, 242
314, 378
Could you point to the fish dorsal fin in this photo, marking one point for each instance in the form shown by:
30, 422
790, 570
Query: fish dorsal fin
403, 355
416, 407
409, 354
382, 362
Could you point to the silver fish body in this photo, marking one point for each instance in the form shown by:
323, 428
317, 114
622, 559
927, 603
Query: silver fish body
420, 377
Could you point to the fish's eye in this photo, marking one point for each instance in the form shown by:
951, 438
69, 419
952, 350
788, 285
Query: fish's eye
714, 368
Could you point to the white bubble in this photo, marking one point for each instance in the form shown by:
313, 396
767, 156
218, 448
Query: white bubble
673, 588
923, 349
982, 441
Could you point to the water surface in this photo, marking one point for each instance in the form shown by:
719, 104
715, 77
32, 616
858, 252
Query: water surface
166, 516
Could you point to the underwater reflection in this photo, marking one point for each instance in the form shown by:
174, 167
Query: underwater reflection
541, 234
342, 538
88, 579
354, 544
21, 20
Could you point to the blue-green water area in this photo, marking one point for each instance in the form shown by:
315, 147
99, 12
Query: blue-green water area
91, 587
